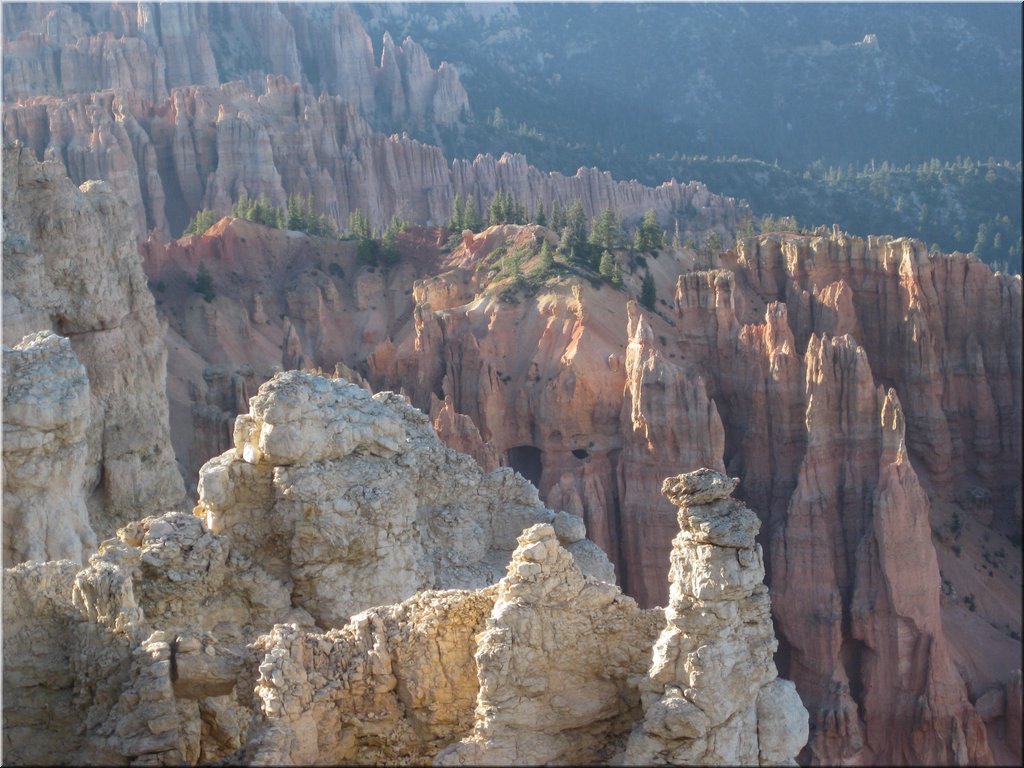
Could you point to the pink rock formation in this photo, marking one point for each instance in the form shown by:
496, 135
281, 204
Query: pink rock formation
855, 580
667, 420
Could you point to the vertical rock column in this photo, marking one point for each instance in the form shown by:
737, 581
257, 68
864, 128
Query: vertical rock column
712, 695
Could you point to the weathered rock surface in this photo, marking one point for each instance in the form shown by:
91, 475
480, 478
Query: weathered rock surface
557, 664
173, 647
46, 418
324, 480
547, 384
148, 50
71, 266
331, 501
876, 571
39, 638
667, 420
395, 684
245, 631
713, 695
205, 146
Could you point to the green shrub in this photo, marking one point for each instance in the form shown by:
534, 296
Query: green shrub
201, 222
203, 284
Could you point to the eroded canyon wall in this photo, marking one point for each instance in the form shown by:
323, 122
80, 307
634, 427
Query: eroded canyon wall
147, 50
770, 367
186, 108
207, 146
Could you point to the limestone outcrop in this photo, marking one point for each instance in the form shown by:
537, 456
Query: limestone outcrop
46, 418
353, 498
71, 266
557, 664
174, 647
39, 650
331, 501
713, 695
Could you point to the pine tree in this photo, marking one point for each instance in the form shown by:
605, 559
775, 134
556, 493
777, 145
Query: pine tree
457, 222
606, 231
648, 292
557, 217
389, 240
296, 221
201, 222
358, 225
518, 213
574, 231
547, 258
712, 248
649, 237
497, 213
609, 269
204, 283
539, 217
471, 218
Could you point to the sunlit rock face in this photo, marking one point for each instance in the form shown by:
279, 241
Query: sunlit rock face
71, 267
712, 695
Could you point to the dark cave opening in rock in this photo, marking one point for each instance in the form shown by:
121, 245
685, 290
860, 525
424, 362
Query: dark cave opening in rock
580, 453
526, 460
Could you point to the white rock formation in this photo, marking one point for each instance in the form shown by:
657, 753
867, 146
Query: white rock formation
396, 684
70, 265
46, 416
207, 637
558, 664
713, 696
355, 501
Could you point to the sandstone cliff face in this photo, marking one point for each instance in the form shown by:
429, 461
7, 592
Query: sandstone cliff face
875, 572
591, 401
70, 266
46, 418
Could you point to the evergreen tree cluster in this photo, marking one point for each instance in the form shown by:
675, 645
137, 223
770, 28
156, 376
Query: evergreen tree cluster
299, 215
371, 250
464, 215
201, 222
302, 217
650, 237
592, 248
505, 210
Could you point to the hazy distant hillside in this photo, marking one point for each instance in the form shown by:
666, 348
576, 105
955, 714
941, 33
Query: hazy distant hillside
758, 101
793, 83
